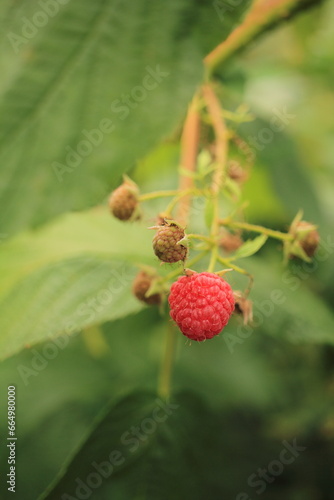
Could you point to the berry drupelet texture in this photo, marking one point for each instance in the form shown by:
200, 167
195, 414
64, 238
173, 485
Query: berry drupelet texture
201, 305
123, 202
165, 243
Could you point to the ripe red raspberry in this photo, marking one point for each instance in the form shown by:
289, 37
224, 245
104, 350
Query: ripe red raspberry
123, 202
165, 242
201, 305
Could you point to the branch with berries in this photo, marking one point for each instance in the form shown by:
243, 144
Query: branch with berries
202, 302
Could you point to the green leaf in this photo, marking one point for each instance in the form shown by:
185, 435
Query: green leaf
109, 441
293, 248
67, 276
149, 442
285, 307
62, 389
250, 247
101, 76
278, 153
271, 211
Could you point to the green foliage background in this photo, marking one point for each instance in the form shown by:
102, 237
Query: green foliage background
61, 252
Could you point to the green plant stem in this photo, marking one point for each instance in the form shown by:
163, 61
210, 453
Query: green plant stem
261, 16
258, 229
228, 263
213, 259
169, 350
221, 136
208, 239
191, 262
189, 148
164, 387
177, 198
160, 194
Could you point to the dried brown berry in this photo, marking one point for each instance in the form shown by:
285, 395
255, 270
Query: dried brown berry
123, 202
140, 287
309, 237
243, 306
304, 239
236, 172
230, 242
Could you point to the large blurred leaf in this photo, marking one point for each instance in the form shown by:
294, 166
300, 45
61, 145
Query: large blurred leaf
145, 449
69, 275
75, 72
60, 397
284, 306
135, 64
151, 443
278, 153
60, 402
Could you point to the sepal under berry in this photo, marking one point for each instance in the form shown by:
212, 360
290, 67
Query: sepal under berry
305, 239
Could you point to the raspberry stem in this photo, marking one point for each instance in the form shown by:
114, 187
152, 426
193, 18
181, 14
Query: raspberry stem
158, 194
178, 197
213, 260
201, 237
164, 387
180, 270
228, 263
261, 15
189, 148
257, 229
165, 194
221, 135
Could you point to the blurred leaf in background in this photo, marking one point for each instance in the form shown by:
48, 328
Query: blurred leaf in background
90, 90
